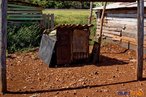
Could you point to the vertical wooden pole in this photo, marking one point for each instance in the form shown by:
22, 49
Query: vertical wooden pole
44, 21
101, 28
48, 21
91, 12
3, 44
101, 22
140, 39
52, 21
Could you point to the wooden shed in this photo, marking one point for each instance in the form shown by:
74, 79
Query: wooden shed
72, 43
120, 23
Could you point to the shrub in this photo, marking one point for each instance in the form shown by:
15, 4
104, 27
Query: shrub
23, 36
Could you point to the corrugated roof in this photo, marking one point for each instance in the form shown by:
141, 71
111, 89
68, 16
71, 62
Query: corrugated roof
74, 26
119, 5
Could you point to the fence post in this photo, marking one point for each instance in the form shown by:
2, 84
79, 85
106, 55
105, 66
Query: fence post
3, 45
52, 21
140, 38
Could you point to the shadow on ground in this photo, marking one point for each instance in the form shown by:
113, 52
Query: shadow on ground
104, 61
71, 88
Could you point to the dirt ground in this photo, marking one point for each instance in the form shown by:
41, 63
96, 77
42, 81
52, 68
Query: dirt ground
115, 76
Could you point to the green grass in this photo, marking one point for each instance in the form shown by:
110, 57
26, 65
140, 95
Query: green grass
69, 16
72, 16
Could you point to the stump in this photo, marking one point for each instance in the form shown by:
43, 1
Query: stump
95, 53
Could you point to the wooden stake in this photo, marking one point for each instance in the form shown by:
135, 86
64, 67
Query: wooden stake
3, 44
140, 39
91, 11
52, 21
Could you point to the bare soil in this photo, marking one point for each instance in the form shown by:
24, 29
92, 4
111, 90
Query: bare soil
28, 76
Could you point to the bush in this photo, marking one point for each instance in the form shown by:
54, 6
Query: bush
23, 36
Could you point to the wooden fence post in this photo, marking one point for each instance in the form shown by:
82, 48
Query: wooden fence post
140, 38
91, 12
52, 21
3, 44
49, 21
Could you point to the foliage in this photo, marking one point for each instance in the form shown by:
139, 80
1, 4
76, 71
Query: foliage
61, 4
39, 2
98, 4
68, 4
23, 36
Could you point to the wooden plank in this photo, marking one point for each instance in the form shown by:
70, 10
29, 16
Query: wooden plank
3, 44
120, 15
127, 21
132, 21
24, 19
21, 6
140, 39
23, 9
24, 12
123, 11
124, 38
112, 25
111, 29
111, 32
111, 35
24, 15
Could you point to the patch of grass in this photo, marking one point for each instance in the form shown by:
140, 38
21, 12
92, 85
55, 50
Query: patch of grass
69, 16
72, 16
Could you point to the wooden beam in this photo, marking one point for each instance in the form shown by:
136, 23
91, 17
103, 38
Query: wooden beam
140, 39
3, 43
